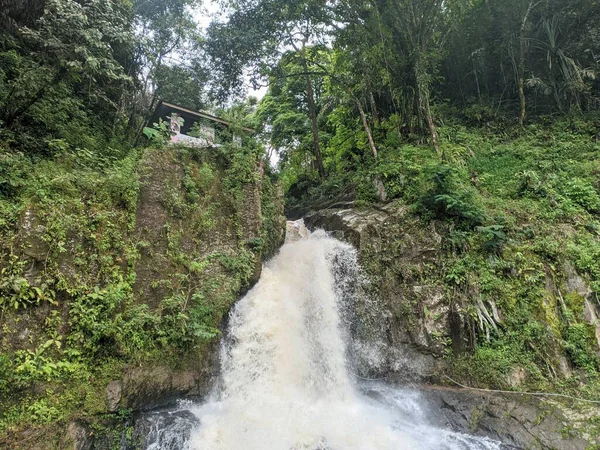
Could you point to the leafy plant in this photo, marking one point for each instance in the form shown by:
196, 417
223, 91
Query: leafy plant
579, 344
529, 184
583, 193
448, 198
160, 133
95, 321
38, 365
16, 291
495, 237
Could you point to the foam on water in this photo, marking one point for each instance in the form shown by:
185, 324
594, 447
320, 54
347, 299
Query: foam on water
286, 383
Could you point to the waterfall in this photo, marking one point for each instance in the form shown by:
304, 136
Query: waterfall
286, 381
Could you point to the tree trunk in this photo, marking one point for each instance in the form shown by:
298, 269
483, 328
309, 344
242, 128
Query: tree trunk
146, 115
435, 137
12, 117
377, 181
477, 80
312, 108
521, 68
365, 122
523, 113
374, 108
425, 106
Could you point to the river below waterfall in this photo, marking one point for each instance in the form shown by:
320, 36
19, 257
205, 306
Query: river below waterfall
287, 378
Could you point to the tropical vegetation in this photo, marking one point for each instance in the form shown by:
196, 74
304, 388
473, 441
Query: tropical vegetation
482, 116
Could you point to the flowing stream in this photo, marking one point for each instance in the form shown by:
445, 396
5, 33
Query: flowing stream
286, 377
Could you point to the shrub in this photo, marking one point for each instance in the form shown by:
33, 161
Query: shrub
579, 344
6, 374
529, 184
94, 320
14, 172
448, 198
495, 238
487, 367
582, 193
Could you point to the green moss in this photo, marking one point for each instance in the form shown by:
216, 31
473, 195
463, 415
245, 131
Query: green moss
575, 303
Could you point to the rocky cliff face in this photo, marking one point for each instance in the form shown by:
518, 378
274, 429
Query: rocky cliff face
128, 294
415, 322
413, 317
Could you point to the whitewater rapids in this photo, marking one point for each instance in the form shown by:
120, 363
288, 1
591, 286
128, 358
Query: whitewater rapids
286, 382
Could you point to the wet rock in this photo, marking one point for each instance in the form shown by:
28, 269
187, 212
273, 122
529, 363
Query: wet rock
113, 395
149, 387
158, 173
591, 307
165, 430
412, 322
575, 283
522, 422
591, 313
77, 437
517, 377
30, 237
35, 249
415, 308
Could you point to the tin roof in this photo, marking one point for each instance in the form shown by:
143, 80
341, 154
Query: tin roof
199, 114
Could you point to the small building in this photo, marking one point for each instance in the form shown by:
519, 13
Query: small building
196, 128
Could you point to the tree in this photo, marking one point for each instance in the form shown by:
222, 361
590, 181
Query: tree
18, 13
73, 47
565, 79
256, 35
294, 106
72, 65
165, 28
531, 5
498, 50
416, 28
183, 84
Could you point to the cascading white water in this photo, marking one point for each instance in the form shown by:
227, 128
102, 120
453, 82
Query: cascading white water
286, 384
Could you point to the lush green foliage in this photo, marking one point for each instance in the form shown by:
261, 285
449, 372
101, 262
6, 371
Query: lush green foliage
517, 217
70, 248
85, 74
379, 73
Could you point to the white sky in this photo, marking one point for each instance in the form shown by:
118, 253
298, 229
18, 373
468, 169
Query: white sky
205, 13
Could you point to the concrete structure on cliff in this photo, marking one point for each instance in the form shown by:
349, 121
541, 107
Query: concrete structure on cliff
197, 128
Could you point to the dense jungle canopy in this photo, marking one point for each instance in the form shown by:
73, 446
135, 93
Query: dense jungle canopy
343, 76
